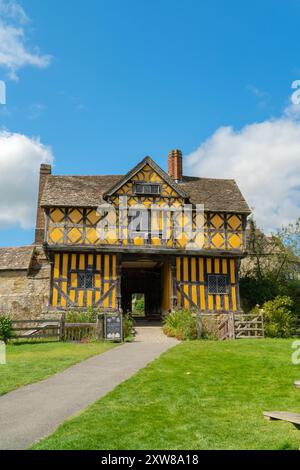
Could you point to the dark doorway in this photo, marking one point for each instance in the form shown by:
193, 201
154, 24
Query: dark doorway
146, 281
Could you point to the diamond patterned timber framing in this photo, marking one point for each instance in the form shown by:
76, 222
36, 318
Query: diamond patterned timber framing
57, 215
75, 216
75, 235
234, 222
218, 241
216, 224
56, 236
91, 236
78, 226
234, 241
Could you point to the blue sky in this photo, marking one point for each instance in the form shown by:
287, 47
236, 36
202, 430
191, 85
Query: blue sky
133, 78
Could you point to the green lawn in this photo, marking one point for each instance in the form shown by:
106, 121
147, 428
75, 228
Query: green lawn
199, 395
30, 362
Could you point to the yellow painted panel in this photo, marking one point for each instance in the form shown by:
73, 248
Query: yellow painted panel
90, 260
89, 297
233, 293
98, 262
56, 265
81, 262
232, 271
208, 265
54, 297
202, 298
218, 240
80, 298
201, 269
73, 280
97, 296
235, 241
65, 265
93, 218
178, 264
73, 262
114, 299
106, 267
92, 236
114, 266
217, 221
56, 235
57, 216
226, 302
224, 266
63, 301
72, 295
75, 236
194, 294
185, 278
217, 266
234, 221
218, 302
75, 216
97, 280
106, 278
210, 302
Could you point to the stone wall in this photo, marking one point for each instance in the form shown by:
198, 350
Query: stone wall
25, 294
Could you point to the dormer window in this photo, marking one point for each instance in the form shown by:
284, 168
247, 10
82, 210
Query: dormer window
146, 188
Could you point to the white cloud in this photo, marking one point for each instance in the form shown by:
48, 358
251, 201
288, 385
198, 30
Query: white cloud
264, 159
14, 51
20, 158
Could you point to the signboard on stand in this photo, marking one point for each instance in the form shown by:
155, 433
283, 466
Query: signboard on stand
113, 327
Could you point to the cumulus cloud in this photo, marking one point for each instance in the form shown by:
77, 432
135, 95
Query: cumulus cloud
14, 51
264, 159
20, 158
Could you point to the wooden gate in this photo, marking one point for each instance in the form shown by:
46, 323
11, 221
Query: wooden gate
232, 326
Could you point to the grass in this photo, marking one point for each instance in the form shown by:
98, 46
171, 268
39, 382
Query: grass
33, 361
198, 395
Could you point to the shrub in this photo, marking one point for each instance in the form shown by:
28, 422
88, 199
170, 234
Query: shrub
127, 326
79, 316
181, 324
278, 317
6, 328
209, 328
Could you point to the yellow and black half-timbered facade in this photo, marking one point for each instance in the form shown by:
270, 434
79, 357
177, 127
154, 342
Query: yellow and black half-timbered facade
176, 239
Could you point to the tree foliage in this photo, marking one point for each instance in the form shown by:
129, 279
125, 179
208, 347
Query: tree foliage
272, 267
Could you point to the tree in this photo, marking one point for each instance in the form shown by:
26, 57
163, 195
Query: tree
272, 266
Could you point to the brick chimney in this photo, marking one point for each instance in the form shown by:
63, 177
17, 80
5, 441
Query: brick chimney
45, 171
175, 164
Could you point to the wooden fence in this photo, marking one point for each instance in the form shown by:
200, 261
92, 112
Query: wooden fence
57, 329
37, 329
231, 326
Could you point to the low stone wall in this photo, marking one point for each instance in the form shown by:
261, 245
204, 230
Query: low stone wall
25, 294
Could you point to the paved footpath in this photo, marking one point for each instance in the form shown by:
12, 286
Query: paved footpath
35, 411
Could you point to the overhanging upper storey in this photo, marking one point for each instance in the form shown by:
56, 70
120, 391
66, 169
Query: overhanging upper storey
145, 208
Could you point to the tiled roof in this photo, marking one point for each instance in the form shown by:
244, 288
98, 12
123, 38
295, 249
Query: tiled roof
16, 258
217, 195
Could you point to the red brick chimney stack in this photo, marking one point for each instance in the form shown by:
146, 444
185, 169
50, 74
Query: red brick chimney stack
175, 164
45, 171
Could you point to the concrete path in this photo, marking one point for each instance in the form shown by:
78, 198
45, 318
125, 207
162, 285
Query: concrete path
35, 411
